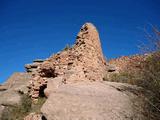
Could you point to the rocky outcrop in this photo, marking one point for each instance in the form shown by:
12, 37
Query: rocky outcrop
93, 101
83, 62
16, 84
11, 89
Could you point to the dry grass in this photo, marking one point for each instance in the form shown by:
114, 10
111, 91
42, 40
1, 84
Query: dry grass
149, 79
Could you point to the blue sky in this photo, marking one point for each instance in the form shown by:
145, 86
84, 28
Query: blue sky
31, 29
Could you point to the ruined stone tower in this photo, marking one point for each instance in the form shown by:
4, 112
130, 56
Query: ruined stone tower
88, 47
84, 61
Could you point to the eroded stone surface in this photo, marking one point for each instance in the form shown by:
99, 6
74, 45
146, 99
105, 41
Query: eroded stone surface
92, 101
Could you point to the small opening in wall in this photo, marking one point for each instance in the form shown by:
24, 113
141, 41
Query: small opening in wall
44, 118
41, 91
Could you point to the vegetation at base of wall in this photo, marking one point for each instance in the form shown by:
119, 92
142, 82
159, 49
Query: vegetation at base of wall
37, 106
124, 77
151, 82
26, 106
148, 77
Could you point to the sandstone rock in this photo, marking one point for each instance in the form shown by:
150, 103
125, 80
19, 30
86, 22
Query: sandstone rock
38, 60
18, 82
52, 85
31, 67
90, 101
34, 116
111, 68
10, 95
9, 98
3, 88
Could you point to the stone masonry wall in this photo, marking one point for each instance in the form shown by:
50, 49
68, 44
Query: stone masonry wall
84, 61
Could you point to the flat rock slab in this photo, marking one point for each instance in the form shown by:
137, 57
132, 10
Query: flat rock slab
90, 101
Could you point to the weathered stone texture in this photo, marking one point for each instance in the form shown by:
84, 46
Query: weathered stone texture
92, 101
17, 83
84, 61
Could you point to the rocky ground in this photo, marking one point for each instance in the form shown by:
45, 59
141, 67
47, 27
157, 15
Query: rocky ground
93, 101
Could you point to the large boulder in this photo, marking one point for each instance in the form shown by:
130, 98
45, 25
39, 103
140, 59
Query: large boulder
91, 101
52, 85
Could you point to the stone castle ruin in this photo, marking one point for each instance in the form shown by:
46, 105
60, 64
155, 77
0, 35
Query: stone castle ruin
84, 61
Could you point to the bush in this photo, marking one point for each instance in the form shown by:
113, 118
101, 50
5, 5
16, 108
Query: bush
147, 77
151, 82
124, 77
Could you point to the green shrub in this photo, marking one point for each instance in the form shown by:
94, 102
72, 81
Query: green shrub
151, 82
